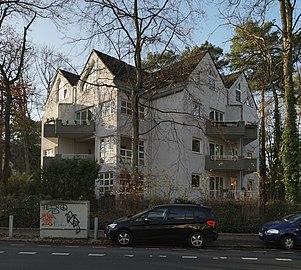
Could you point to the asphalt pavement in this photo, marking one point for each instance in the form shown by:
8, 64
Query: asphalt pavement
225, 240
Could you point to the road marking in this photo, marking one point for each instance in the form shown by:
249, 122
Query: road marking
2, 251
96, 254
189, 257
27, 253
215, 258
223, 258
60, 254
129, 255
249, 259
162, 256
17, 245
283, 259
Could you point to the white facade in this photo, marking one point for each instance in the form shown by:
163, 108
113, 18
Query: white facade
182, 152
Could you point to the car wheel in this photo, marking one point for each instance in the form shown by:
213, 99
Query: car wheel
288, 242
124, 238
196, 240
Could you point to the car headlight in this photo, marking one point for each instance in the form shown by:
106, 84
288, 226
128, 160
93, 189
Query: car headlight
273, 231
112, 226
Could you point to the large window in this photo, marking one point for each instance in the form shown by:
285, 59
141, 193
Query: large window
84, 116
216, 151
126, 151
197, 145
107, 108
106, 152
126, 108
216, 116
216, 185
105, 182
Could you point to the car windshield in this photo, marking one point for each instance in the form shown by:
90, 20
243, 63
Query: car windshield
292, 217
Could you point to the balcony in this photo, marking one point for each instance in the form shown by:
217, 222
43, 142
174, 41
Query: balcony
59, 157
69, 129
230, 163
233, 195
231, 130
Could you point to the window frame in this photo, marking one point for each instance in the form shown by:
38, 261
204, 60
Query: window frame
195, 180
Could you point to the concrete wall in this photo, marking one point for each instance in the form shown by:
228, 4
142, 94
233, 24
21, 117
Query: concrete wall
64, 219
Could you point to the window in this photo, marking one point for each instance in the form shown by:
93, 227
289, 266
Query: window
216, 185
106, 152
62, 91
216, 116
84, 116
159, 213
211, 79
105, 182
216, 151
250, 155
197, 146
178, 213
238, 93
48, 153
250, 185
126, 108
196, 109
126, 151
195, 181
107, 108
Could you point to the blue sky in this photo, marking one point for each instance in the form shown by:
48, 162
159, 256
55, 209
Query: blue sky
209, 28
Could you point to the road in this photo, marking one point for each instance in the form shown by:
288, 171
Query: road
33, 256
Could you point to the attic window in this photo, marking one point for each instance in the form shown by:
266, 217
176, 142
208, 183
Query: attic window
238, 93
211, 79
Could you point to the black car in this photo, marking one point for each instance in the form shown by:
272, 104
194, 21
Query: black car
286, 231
183, 223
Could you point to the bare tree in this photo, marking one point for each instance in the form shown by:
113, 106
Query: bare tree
131, 28
13, 52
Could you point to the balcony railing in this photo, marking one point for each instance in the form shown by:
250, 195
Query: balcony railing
233, 163
69, 128
49, 159
233, 194
232, 130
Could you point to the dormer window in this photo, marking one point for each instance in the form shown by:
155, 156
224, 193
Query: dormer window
238, 93
211, 79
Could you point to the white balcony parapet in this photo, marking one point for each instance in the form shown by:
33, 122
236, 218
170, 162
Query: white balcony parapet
76, 122
70, 156
224, 157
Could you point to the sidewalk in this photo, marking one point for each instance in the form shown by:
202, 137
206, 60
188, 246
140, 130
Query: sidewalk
226, 240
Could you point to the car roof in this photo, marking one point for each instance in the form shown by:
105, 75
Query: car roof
183, 205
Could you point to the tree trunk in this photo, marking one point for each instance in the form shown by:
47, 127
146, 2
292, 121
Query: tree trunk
290, 134
7, 134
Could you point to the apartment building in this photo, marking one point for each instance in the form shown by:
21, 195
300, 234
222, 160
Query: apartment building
198, 130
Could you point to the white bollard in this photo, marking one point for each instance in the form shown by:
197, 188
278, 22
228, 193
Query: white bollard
10, 226
95, 228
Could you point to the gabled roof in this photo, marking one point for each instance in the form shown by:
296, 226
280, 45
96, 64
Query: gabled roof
230, 79
71, 78
120, 69
176, 72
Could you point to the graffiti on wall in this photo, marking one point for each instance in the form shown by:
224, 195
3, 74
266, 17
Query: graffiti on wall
59, 215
